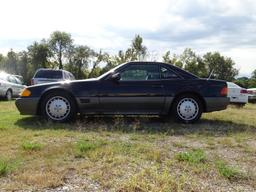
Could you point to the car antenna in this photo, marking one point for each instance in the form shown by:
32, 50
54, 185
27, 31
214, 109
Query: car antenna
210, 75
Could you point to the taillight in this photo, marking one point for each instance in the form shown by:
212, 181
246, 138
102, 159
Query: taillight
244, 91
32, 82
224, 91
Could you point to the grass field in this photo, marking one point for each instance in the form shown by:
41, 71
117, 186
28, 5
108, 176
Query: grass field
128, 154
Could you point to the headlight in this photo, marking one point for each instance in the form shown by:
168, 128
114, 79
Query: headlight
25, 93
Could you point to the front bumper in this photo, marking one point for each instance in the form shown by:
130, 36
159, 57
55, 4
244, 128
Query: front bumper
27, 106
216, 103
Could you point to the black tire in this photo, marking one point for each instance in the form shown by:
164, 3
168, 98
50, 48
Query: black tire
58, 106
8, 95
187, 108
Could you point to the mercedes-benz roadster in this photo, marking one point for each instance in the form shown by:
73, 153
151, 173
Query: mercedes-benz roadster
134, 88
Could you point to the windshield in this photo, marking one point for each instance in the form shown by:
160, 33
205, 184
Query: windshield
110, 71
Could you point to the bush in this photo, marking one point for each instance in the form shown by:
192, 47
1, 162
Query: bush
228, 171
4, 168
32, 146
193, 156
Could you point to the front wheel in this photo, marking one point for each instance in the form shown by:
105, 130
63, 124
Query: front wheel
187, 108
8, 95
58, 107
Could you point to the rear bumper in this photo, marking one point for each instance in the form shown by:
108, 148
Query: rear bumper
216, 103
27, 106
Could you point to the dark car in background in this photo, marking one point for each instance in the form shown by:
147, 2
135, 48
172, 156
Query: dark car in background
51, 75
133, 88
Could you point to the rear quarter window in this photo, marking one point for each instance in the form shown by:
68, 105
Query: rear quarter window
49, 74
232, 85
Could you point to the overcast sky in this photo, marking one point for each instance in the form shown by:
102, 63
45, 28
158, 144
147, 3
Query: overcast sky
228, 26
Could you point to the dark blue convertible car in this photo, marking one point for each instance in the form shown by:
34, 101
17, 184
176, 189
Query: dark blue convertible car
150, 88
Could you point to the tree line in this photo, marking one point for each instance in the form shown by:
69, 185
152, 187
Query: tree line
60, 52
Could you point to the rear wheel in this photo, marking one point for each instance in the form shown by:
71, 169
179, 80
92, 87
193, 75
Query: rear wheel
187, 108
59, 107
8, 95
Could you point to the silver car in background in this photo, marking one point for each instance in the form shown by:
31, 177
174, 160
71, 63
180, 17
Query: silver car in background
237, 94
10, 85
50, 75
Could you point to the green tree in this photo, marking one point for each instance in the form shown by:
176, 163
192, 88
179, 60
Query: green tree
23, 66
60, 43
100, 57
138, 51
243, 82
39, 54
174, 59
81, 57
192, 63
223, 67
123, 56
167, 57
254, 74
2, 62
12, 62
252, 83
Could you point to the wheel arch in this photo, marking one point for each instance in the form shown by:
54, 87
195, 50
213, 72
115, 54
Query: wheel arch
200, 97
48, 91
9, 89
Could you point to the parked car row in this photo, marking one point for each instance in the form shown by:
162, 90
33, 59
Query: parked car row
150, 88
12, 85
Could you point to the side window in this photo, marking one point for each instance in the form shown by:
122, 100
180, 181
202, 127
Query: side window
71, 76
168, 74
140, 73
18, 81
12, 79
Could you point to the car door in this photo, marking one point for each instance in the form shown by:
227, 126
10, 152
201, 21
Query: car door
12, 84
139, 91
172, 83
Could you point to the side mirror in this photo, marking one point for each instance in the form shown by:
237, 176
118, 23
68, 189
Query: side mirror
116, 77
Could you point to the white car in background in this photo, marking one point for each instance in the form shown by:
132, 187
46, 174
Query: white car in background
237, 94
10, 85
